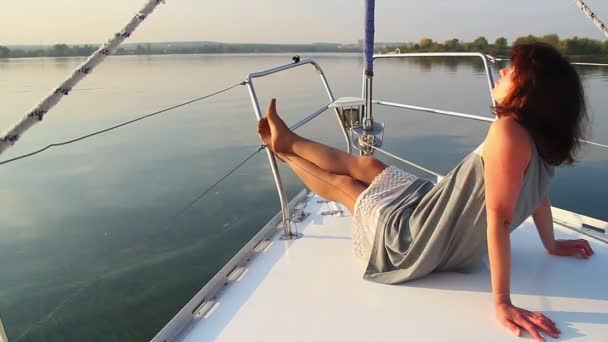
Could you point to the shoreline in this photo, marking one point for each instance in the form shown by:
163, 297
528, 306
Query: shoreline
573, 58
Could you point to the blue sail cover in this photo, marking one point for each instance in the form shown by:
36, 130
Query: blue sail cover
368, 44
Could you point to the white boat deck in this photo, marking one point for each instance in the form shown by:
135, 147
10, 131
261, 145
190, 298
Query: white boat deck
311, 289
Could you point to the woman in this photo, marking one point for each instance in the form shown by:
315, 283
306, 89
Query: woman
406, 227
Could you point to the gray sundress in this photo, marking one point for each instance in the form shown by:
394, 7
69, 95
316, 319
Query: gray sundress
442, 227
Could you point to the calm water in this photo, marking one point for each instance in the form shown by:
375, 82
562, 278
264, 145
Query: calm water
100, 209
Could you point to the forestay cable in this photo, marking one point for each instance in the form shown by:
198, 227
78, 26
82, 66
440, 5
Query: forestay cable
36, 115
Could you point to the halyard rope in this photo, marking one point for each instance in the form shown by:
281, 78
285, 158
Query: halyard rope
600, 25
36, 115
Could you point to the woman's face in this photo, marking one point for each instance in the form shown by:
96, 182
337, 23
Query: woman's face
504, 85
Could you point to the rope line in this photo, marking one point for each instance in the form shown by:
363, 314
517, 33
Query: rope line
589, 13
221, 179
36, 115
589, 64
30, 154
593, 143
402, 159
502, 59
108, 270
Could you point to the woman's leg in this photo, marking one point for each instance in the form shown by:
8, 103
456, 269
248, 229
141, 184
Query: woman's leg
335, 187
340, 188
363, 169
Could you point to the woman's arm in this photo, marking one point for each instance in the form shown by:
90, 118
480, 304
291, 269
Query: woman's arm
499, 253
544, 223
506, 155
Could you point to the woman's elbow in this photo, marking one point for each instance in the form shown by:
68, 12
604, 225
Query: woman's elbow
499, 217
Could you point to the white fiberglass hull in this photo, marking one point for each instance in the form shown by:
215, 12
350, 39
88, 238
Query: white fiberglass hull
311, 289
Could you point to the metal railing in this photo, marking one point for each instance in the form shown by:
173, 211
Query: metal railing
498, 59
461, 115
203, 302
435, 111
489, 78
582, 224
484, 58
289, 230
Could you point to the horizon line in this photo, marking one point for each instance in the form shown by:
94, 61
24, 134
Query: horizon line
277, 43
182, 41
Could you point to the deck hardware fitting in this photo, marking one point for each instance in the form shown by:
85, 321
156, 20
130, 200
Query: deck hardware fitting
599, 230
331, 212
235, 274
299, 216
262, 246
200, 305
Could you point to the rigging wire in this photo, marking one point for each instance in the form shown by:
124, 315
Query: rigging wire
221, 179
36, 115
592, 16
506, 59
403, 160
189, 205
105, 130
108, 270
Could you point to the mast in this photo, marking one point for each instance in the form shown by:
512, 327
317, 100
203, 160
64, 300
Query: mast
368, 59
369, 133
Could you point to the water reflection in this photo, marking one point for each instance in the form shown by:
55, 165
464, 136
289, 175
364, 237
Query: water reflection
592, 71
426, 64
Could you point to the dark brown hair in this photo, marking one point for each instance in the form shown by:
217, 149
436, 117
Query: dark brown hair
548, 100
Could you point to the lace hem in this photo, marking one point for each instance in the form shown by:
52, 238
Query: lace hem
383, 189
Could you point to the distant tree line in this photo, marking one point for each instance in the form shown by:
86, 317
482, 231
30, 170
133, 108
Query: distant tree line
64, 50
57, 50
574, 47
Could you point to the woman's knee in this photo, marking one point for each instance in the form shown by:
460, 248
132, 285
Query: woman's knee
371, 163
371, 167
348, 186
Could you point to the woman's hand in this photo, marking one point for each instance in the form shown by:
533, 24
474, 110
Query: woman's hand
514, 319
571, 248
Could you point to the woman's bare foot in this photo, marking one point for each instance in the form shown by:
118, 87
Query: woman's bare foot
264, 132
282, 137
266, 135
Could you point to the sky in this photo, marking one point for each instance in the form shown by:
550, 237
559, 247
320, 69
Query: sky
292, 21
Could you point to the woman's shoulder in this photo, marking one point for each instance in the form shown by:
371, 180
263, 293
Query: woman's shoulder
507, 138
509, 127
